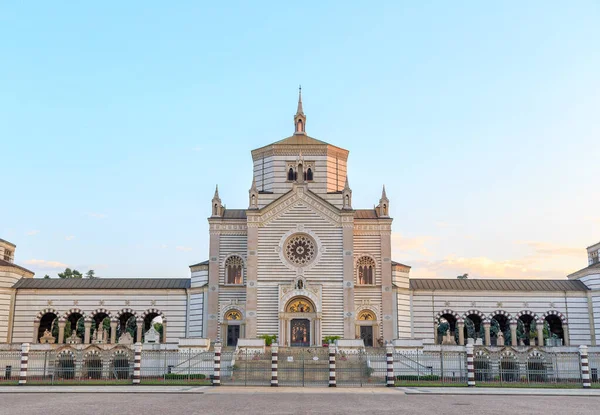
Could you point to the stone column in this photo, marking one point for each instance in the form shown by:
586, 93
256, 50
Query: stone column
274, 361
567, 341
61, 331
217, 366
387, 300
139, 331
164, 336
470, 365
540, 330
36, 331
113, 331
332, 382
213, 282
486, 329
88, 327
513, 333
251, 279
348, 270
461, 332
137, 364
24, 364
585, 366
389, 357
435, 332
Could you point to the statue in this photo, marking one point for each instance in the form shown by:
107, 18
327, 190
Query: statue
448, 339
500, 339
125, 338
73, 338
100, 336
47, 337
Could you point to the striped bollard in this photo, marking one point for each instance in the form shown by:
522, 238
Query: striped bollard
217, 365
137, 363
274, 359
470, 365
332, 383
585, 366
389, 358
24, 360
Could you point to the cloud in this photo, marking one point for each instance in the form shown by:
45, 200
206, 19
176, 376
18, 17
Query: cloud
42, 263
544, 249
97, 215
70, 237
416, 245
31, 233
183, 248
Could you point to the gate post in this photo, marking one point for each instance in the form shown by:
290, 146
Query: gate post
332, 382
470, 365
585, 367
137, 363
274, 359
389, 358
24, 361
217, 365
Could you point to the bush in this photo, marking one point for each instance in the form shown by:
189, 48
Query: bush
424, 378
330, 339
269, 338
184, 376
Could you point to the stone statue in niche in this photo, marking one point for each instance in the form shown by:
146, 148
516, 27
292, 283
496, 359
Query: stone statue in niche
300, 285
125, 338
500, 339
47, 337
449, 339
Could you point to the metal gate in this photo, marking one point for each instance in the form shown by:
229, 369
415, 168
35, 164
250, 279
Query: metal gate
366, 368
303, 366
245, 368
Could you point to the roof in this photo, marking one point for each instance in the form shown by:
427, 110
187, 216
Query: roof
300, 139
4, 263
365, 214
496, 285
583, 270
402, 265
6, 242
234, 214
104, 283
200, 263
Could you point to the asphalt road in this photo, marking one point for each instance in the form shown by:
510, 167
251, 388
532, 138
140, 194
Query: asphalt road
308, 402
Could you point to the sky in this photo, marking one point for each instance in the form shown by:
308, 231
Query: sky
117, 120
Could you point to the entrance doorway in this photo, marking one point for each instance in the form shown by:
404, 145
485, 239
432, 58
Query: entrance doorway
366, 333
300, 329
233, 334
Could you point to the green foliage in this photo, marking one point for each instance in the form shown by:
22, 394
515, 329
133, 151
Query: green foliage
443, 328
68, 273
90, 274
463, 277
159, 328
184, 376
330, 339
269, 338
46, 277
417, 378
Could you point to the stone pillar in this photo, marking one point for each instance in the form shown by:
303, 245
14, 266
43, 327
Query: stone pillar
389, 358
274, 361
567, 341
540, 330
348, 270
61, 331
470, 365
513, 333
585, 366
36, 331
88, 328
251, 279
387, 300
139, 331
486, 329
164, 336
213, 282
461, 332
217, 366
24, 364
436, 325
332, 382
137, 364
113, 331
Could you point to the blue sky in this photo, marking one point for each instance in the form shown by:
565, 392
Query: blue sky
118, 119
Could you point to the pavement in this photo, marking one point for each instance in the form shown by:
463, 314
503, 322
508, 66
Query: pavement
249, 390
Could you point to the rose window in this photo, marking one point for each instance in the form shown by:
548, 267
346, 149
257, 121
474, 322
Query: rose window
300, 250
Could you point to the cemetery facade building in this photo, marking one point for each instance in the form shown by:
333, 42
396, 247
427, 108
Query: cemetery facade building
300, 262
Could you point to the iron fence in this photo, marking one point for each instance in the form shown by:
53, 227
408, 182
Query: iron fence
10, 365
245, 367
445, 367
303, 366
365, 368
176, 367
594, 361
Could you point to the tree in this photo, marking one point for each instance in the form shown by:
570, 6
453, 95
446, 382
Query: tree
68, 273
463, 277
46, 277
90, 274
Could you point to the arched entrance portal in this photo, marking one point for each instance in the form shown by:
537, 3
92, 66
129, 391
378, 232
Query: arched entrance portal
300, 326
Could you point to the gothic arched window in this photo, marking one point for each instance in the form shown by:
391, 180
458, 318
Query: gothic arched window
291, 175
234, 267
309, 174
366, 271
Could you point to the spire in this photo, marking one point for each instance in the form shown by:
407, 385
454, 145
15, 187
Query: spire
346, 185
253, 195
384, 204
383, 196
300, 118
217, 206
216, 196
253, 184
347, 196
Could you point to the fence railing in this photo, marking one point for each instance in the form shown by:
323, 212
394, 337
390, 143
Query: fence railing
176, 367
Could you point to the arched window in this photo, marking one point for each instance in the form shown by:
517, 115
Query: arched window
291, 174
366, 271
309, 174
234, 270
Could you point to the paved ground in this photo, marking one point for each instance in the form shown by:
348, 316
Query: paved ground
285, 401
